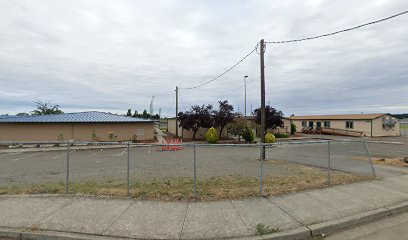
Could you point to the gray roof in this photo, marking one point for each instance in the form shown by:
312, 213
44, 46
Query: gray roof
80, 117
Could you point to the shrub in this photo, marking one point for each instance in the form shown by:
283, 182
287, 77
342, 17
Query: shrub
248, 135
281, 135
111, 136
270, 138
61, 137
292, 128
94, 137
134, 138
212, 135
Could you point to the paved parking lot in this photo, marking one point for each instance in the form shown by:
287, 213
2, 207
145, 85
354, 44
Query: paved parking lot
147, 163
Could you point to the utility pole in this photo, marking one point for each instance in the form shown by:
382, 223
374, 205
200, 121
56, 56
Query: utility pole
176, 111
262, 52
245, 94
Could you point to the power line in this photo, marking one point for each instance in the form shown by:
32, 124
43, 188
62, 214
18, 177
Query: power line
225, 72
337, 32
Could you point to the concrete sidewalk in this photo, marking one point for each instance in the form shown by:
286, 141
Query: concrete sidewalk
295, 216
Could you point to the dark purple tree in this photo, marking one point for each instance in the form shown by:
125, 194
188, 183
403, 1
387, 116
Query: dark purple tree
197, 117
273, 117
223, 116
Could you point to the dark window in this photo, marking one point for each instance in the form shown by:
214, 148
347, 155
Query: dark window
326, 124
303, 123
349, 124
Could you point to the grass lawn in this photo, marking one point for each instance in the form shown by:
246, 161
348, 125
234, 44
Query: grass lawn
181, 188
404, 126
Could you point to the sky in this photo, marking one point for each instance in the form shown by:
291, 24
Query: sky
114, 55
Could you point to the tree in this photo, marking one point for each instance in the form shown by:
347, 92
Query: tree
136, 114
223, 116
197, 117
22, 114
238, 126
129, 112
273, 117
145, 114
45, 108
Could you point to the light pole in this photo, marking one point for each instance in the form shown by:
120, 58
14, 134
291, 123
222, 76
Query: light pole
245, 95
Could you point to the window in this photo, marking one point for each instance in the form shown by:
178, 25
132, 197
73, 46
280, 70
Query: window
140, 132
349, 124
303, 123
326, 124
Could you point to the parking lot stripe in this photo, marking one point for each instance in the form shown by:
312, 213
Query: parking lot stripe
32, 155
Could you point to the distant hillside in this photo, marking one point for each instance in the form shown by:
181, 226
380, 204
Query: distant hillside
401, 116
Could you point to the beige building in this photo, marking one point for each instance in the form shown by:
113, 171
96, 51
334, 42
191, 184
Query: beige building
371, 125
84, 126
188, 134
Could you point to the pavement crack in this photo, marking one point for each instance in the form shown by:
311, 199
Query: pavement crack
110, 225
242, 219
184, 220
301, 223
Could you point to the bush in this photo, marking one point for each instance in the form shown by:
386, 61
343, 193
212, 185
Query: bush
61, 137
248, 135
292, 128
212, 135
281, 135
270, 138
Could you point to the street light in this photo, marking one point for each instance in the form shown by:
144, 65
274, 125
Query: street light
245, 94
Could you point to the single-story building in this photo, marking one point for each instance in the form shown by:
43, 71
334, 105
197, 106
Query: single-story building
187, 134
371, 125
81, 126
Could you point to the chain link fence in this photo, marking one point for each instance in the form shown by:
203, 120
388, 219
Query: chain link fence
188, 171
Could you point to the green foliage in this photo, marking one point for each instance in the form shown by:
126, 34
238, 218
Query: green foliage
44, 108
262, 229
111, 136
144, 115
129, 112
61, 137
238, 125
248, 135
270, 138
94, 137
292, 128
134, 138
281, 135
212, 135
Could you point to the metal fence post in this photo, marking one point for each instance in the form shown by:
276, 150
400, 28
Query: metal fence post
369, 157
328, 163
128, 169
195, 170
261, 157
67, 169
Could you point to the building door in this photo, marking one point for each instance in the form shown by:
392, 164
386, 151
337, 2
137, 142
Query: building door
311, 124
319, 124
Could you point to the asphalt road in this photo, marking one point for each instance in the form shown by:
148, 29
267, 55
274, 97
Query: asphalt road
148, 162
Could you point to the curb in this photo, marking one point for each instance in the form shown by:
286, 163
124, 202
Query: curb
304, 232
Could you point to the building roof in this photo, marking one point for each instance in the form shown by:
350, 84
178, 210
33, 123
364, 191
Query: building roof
340, 117
80, 117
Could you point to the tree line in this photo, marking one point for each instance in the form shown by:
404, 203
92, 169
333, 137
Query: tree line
205, 116
144, 114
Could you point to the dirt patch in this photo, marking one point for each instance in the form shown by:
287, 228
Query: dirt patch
399, 161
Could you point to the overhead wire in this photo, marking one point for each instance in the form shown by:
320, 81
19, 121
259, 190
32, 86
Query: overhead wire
225, 72
340, 31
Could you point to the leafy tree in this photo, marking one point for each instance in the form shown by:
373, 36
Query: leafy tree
197, 117
45, 108
136, 114
273, 118
22, 114
238, 126
145, 114
223, 116
129, 112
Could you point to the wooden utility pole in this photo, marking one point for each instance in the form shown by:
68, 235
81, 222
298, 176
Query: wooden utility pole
176, 111
262, 52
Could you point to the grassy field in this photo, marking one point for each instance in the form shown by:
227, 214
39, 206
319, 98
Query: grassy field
214, 188
404, 126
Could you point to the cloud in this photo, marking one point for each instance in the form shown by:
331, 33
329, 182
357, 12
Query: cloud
115, 55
